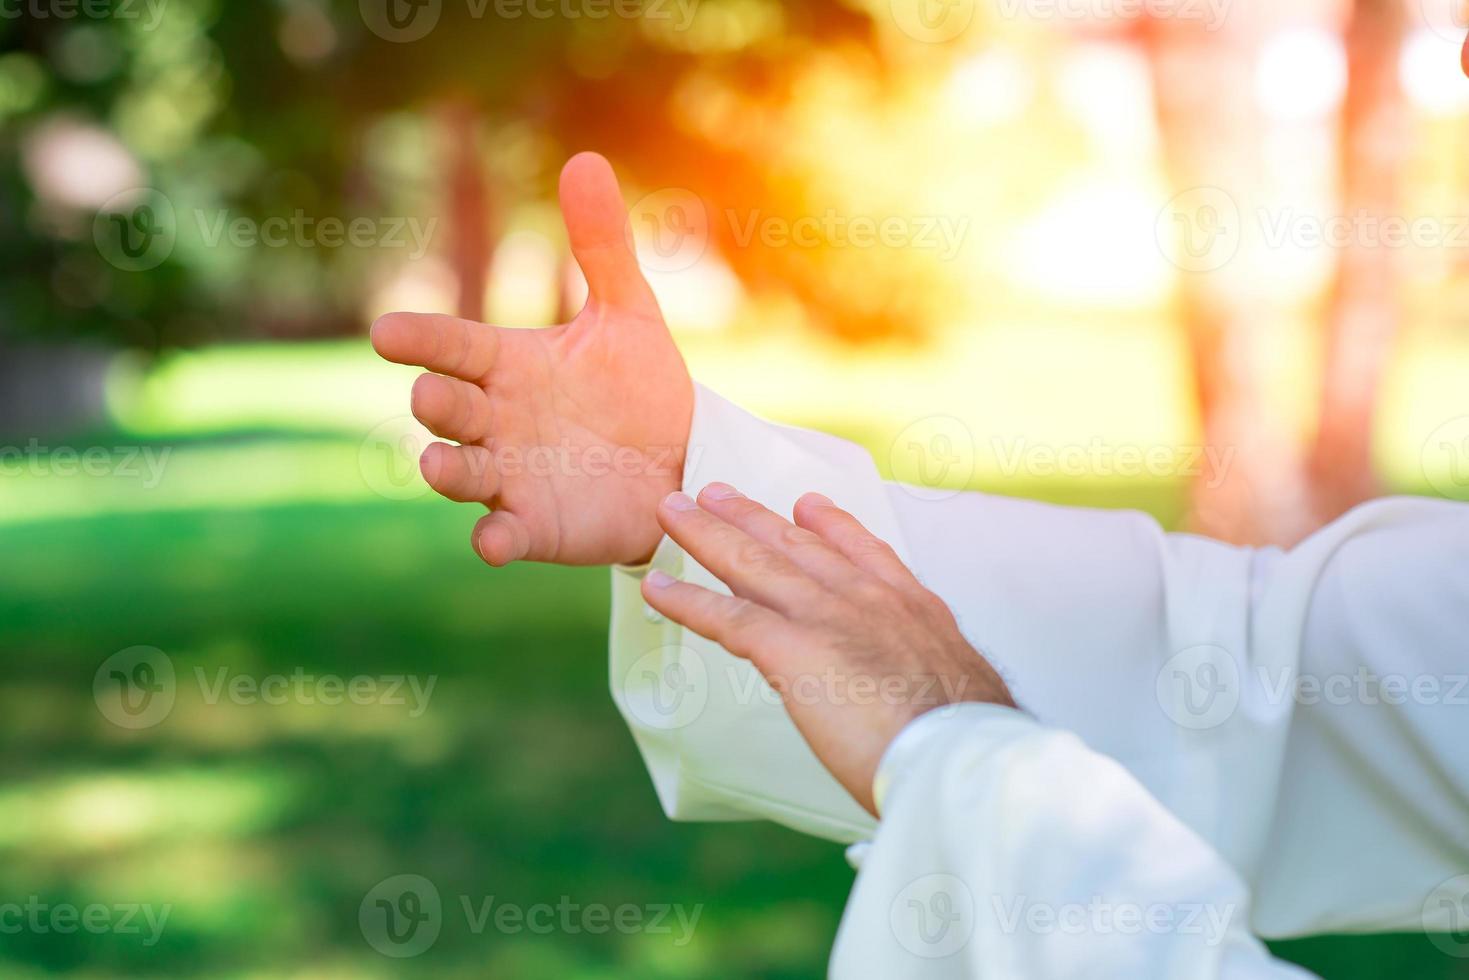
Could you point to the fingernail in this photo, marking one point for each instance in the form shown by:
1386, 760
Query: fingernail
678, 500
721, 491
429, 463
658, 579
820, 499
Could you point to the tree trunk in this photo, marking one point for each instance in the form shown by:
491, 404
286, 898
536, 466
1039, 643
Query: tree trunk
470, 211
1364, 314
1213, 139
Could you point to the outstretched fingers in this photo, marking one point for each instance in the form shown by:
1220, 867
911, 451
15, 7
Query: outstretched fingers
501, 539
751, 569
452, 409
742, 627
846, 534
443, 344
466, 474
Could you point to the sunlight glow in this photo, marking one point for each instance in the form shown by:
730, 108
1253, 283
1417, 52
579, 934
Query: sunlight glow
990, 87
1094, 243
1301, 75
523, 287
1431, 77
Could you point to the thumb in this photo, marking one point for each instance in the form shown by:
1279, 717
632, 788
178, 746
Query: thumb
596, 223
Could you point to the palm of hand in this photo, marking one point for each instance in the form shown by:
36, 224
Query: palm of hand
570, 434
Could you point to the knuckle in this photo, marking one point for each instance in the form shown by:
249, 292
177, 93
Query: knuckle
755, 557
463, 409
742, 615
742, 620
931, 605
870, 592
867, 546
796, 538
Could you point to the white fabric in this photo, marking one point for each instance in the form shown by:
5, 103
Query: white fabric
1288, 728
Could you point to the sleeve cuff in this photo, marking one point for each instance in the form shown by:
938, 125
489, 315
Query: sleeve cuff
994, 724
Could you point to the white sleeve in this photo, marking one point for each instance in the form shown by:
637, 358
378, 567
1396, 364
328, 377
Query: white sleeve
1304, 712
1010, 850
715, 737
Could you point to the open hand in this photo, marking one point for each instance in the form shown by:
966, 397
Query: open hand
570, 434
836, 623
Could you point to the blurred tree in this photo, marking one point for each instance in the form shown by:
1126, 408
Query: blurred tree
1364, 315
1213, 136
263, 110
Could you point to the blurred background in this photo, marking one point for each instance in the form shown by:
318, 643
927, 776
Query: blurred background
1205, 258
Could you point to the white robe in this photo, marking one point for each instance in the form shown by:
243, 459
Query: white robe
1290, 730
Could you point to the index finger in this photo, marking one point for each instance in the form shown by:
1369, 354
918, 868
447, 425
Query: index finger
443, 344
846, 534
750, 569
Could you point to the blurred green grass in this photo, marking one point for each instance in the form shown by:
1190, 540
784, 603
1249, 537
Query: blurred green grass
264, 829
